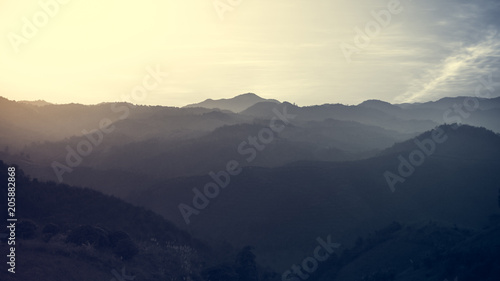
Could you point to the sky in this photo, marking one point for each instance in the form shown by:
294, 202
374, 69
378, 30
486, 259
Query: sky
301, 51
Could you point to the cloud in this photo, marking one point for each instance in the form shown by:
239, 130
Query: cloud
457, 72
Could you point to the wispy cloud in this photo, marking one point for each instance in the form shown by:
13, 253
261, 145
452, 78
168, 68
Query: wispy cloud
455, 71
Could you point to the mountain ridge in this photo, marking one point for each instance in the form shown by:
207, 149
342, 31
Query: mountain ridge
336, 192
235, 104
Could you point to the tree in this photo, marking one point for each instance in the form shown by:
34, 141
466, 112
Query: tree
246, 267
222, 272
126, 248
87, 234
49, 230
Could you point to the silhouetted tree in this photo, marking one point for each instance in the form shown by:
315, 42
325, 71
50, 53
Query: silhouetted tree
49, 230
88, 234
117, 236
126, 248
246, 267
220, 273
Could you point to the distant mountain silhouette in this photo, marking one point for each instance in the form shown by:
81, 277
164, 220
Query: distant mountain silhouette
176, 142
458, 184
361, 114
88, 234
37, 102
448, 102
236, 104
324, 173
24, 124
382, 106
328, 140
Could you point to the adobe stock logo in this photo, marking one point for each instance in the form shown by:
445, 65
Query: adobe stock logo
30, 28
416, 158
362, 40
221, 8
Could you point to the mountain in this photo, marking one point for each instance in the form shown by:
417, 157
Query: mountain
26, 124
71, 233
405, 118
282, 210
161, 158
350, 202
448, 102
381, 105
475, 111
36, 103
204, 194
155, 143
235, 104
419, 251
361, 114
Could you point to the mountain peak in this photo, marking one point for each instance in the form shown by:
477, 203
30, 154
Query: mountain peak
378, 104
36, 102
235, 104
373, 101
248, 95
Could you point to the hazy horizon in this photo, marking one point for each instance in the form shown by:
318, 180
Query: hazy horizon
285, 50
231, 97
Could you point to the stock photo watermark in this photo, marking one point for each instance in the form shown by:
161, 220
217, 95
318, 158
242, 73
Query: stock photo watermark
222, 178
223, 6
93, 138
121, 277
416, 158
310, 264
363, 37
11, 220
31, 26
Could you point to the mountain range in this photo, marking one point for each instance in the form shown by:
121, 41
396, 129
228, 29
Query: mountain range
262, 181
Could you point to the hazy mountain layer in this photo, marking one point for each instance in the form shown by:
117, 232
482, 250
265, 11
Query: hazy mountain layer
282, 210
